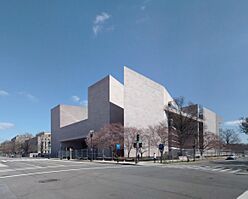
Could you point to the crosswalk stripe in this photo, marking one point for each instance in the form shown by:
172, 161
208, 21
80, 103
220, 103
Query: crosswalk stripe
235, 171
204, 168
216, 169
224, 170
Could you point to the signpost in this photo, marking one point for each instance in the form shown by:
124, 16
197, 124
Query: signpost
91, 147
118, 148
137, 144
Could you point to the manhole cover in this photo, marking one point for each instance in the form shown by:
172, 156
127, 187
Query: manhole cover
48, 180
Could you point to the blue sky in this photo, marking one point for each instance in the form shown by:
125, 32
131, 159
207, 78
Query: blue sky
51, 51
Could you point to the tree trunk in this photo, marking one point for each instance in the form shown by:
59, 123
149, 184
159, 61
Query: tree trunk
128, 153
181, 149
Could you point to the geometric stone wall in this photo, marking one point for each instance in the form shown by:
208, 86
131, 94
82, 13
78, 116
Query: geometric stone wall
144, 102
105, 105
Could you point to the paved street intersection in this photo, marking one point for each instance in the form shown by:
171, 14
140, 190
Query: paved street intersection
238, 167
43, 178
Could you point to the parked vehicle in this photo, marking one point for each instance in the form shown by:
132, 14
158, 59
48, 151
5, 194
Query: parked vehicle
231, 157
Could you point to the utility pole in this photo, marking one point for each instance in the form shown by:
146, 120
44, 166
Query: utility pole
170, 121
137, 148
91, 147
161, 149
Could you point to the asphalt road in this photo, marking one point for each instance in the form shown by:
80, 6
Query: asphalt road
238, 167
50, 179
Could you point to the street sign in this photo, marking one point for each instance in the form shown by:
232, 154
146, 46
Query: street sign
118, 147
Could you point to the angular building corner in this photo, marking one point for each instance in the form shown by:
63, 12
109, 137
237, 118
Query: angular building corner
139, 103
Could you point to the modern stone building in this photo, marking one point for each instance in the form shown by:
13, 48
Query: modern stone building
138, 102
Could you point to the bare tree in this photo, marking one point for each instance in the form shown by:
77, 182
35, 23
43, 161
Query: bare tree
108, 136
152, 137
7, 147
229, 136
185, 121
144, 138
129, 138
21, 147
244, 125
155, 135
210, 141
162, 132
25, 146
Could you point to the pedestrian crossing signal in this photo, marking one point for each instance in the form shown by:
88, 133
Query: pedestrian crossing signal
138, 137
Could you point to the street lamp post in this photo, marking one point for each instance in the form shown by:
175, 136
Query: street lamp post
170, 121
194, 151
49, 150
91, 149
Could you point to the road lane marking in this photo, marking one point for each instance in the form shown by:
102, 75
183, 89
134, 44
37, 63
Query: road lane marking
224, 170
65, 170
71, 161
24, 160
204, 168
217, 169
33, 168
235, 171
244, 195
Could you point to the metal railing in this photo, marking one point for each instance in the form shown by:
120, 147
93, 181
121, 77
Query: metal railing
87, 154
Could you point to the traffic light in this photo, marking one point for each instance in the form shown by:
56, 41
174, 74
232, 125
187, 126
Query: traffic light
138, 137
134, 145
161, 147
140, 145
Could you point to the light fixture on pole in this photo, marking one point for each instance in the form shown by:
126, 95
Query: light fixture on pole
91, 147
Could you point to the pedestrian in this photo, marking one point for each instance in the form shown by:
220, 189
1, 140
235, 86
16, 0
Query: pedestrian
154, 157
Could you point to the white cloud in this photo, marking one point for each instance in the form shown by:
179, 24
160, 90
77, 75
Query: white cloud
99, 22
3, 93
28, 96
75, 98
101, 18
6, 125
78, 100
232, 123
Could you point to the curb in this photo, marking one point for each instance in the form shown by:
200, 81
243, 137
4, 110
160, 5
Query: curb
120, 163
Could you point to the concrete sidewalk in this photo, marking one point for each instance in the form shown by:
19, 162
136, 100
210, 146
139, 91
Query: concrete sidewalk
148, 163
140, 163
